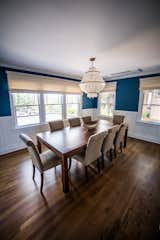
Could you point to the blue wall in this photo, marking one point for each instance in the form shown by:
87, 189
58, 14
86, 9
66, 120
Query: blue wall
127, 94
89, 102
5, 109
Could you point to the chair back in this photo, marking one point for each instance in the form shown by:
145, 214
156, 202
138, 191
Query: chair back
118, 119
109, 139
33, 151
56, 125
121, 134
74, 122
86, 119
94, 146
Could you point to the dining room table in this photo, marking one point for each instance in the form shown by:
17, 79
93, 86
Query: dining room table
69, 141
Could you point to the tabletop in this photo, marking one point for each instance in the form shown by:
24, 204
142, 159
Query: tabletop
71, 139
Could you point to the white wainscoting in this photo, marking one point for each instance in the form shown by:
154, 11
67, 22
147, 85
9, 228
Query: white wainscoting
9, 135
141, 130
10, 141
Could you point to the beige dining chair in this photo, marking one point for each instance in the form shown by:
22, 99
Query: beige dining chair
108, 143
74, 122
43, 161
56, 125
86, 119
119, 141
92, 153
118, 119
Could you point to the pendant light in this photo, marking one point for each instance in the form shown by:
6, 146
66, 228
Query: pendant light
92, 82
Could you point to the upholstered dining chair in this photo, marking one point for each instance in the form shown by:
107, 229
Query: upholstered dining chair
92, 153
118, 119
56, 125
43, 161
74, 122
86, 119
108, 143
119, 141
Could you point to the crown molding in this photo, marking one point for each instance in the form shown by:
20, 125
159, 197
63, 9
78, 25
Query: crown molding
40, 73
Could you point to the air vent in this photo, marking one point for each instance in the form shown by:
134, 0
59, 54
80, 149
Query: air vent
126, 73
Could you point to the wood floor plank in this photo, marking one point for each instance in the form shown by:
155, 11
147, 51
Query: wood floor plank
122, 202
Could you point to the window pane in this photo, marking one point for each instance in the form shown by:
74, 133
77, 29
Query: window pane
155, 113
146, 112
27, 111
21, 121
53, 112
152, 97
156, 97
25, 99
106, 110
50, 98
107, 104
71, 98
26, 108
72, 110
151, 113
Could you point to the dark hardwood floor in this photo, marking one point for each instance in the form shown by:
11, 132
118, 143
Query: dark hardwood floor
123, 202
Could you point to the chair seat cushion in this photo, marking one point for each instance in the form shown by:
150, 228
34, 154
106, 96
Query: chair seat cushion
49, 159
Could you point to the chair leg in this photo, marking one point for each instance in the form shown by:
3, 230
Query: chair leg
33, 172
86, 173
115, 152
98, 165
125, 138
102, 160
41, 182
110, 155
121, 147
70, 163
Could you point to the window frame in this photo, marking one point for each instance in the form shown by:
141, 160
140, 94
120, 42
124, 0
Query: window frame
79, 104
42, 113
99, 105
13, 108
62, 105
140, 107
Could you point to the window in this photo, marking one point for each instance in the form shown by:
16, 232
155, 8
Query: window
53, 106
151, 106
26, 108
107, 100
34, 108
72, 105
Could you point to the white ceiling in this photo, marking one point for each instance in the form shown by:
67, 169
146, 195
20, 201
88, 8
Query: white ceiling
59, 36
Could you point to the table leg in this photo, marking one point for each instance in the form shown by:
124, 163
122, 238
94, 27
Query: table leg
65, 178
39, 146
125, 138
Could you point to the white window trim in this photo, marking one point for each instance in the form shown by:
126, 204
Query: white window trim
13, 111
99, 106
62, 104
42, 107
65, 104
140, 105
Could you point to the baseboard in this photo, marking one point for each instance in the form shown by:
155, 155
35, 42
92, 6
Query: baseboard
12, 149
145, 138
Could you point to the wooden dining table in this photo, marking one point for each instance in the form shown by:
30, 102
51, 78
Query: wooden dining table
67, 142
